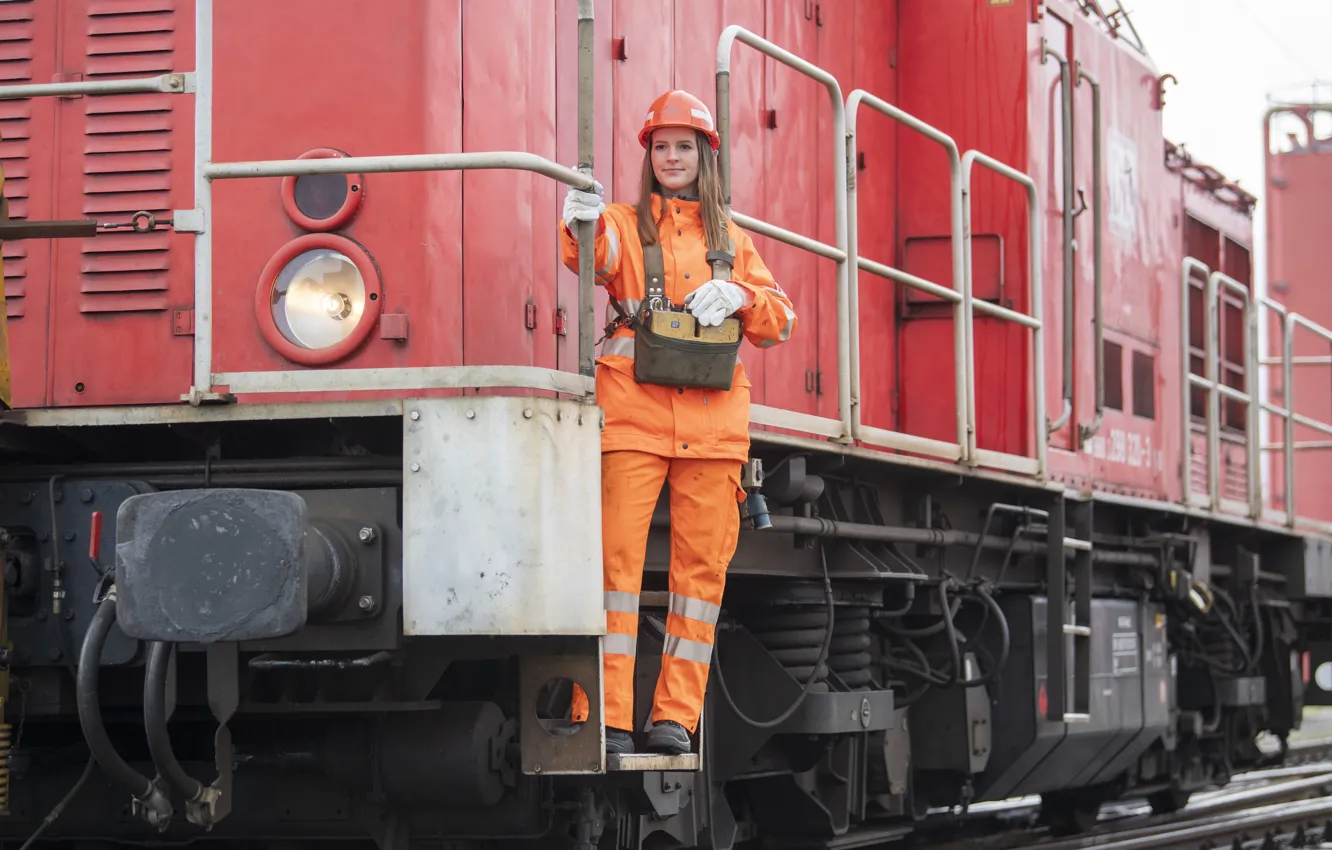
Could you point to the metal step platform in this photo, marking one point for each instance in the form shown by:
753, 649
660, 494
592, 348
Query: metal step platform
643, 762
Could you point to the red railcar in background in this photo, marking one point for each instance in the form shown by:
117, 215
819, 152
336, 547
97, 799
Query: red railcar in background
1014, 446
1298, 173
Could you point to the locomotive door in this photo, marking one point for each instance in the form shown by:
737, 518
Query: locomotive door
28, 51
505, 282
780, 172
796, 180
114, 298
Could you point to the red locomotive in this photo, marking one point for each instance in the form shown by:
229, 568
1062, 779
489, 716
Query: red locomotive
302, 411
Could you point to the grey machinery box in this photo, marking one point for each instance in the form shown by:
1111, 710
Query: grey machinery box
1132, 690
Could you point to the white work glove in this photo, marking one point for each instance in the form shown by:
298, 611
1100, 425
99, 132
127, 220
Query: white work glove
715, 300
583, 206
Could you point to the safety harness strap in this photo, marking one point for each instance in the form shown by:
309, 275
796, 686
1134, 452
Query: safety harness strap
654, 285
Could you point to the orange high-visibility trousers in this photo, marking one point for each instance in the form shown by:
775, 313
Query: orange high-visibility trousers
705, 525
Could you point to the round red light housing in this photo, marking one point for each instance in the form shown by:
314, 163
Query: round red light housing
317, 299
322, 202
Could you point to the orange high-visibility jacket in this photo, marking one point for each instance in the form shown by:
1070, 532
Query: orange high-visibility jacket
678, 422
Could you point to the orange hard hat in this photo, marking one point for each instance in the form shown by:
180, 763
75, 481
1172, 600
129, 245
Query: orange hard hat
678, 109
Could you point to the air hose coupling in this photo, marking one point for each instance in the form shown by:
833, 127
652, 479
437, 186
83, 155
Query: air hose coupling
754, 512
202, 811
154, 806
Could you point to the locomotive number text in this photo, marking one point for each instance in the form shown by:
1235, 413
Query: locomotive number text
1127, 448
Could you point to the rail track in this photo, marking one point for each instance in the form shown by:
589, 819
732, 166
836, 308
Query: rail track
1286, 806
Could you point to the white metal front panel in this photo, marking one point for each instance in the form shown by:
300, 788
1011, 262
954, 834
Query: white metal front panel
502, 517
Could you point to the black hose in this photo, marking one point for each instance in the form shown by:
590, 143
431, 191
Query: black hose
1258, 625
90, 709
954, 677
1005, 641
60, 807
954, 648
813, 676
155, 723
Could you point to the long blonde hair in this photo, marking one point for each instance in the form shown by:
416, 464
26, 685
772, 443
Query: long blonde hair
711, 202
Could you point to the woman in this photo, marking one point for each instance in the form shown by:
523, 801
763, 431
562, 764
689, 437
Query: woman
696, 439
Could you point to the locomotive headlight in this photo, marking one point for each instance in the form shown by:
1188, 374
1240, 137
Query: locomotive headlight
318, 298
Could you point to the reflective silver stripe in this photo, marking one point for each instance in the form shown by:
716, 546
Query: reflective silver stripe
630, 306
622, 601
687, 650
621, 345
612, 252
775, 289
789, 326
767, 343
695, 609
618, 644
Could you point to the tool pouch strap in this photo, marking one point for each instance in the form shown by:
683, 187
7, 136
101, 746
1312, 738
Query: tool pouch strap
677, 361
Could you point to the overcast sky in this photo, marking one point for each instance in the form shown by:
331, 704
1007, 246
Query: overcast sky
1229, 55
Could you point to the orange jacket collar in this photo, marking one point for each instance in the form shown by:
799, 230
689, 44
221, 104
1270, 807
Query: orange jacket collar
687, 204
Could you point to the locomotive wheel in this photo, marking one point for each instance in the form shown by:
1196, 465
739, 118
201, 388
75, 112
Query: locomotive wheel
1168, 800
1069, 813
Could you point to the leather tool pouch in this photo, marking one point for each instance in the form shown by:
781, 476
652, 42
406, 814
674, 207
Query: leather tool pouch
670, 348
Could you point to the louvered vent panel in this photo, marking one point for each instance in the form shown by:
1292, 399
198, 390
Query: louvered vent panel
127, 155
1235, 473
16, 36
1198, 463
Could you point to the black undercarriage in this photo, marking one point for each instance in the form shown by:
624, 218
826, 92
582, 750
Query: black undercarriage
1180, 640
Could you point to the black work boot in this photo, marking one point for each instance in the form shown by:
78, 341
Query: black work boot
618, 742
668, 737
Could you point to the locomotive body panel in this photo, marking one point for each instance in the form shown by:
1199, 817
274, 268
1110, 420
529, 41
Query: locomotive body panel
467, 264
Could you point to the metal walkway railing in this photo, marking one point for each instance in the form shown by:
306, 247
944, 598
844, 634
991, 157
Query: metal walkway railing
1216, 389
848, 426
1287, 446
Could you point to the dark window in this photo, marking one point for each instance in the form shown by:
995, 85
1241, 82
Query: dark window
1114, 375
1144, 385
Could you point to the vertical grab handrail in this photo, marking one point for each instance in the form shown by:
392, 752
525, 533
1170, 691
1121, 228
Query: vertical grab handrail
1293, 321
1188, 380
1216, 389
965, 424
1086, 432
1066, 128
1032, 321
587, 234
1283, 411
202, 385
729, 37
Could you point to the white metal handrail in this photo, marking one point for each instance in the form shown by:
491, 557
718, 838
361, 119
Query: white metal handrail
986, 457
1187, 379
1211, 384
840, 428
163, 84
1294, 321
1282, 411
346, 380
1285, 411
884, 437
1215, 283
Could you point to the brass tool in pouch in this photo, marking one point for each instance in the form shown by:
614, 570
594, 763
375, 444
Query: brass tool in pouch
670, 348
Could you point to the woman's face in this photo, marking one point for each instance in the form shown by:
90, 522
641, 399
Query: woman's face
675, 158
